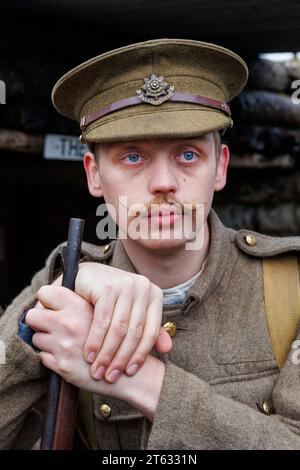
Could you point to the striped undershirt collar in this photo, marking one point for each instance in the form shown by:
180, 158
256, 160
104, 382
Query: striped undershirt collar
176, 295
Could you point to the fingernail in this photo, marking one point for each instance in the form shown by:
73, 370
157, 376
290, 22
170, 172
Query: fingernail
113, 376
99, 374
91, 357
131, 370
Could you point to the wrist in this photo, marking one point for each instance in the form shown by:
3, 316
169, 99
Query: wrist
145, 392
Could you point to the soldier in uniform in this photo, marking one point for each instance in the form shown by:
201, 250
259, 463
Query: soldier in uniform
173, 346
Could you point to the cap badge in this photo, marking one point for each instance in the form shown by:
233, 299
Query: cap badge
155, 90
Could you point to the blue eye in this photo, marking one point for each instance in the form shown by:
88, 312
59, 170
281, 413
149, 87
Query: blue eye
189, 156
132, 158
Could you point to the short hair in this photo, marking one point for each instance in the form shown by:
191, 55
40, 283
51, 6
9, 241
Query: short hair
218, 144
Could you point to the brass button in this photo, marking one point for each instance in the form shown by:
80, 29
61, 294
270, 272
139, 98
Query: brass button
106, 249
266, 408
170, 327
105, 411
250, 240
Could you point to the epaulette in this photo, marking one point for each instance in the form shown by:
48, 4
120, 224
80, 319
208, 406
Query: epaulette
280, 283
96, 252
89, 252
260, 245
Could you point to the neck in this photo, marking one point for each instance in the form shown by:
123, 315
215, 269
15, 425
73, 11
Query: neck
170, 268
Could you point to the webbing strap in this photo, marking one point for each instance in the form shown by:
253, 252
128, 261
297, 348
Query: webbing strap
282, 300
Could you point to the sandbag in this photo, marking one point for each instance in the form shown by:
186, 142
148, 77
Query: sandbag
268, 141
266, 108
266, 74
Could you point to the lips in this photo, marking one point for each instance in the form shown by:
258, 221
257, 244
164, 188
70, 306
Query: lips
166, 211
162, 214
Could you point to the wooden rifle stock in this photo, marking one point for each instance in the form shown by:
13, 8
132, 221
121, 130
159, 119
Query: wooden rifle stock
61, 408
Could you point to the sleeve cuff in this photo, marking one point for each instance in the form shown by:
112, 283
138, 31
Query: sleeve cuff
25, 332
170, 414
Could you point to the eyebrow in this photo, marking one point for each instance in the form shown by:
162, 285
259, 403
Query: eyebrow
175, 142
204, 137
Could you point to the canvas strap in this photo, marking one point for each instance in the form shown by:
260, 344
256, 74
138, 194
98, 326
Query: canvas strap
282, 300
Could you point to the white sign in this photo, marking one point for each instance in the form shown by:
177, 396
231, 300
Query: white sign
63, 147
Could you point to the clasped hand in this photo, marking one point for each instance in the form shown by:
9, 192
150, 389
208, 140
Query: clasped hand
113, 318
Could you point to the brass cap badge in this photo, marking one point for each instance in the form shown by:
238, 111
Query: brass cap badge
155, 90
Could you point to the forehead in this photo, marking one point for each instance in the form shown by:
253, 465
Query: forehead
153, 143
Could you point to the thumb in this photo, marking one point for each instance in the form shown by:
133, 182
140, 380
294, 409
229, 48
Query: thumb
164, 343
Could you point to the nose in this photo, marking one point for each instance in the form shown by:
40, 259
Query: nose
162, 178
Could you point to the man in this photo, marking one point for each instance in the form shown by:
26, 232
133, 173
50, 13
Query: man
152, 114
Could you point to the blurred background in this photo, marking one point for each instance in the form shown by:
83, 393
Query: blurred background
42, 182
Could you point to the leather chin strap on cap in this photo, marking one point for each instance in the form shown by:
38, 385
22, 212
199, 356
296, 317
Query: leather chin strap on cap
135, 100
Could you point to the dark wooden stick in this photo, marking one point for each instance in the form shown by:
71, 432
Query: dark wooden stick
60, 415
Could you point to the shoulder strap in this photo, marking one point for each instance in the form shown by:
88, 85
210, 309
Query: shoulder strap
282, 300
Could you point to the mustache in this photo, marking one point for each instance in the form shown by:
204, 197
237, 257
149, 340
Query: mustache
163, 203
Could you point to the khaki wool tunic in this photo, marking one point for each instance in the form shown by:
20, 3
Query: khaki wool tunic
218, 375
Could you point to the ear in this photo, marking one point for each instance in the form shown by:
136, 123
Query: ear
221, 173
92, 174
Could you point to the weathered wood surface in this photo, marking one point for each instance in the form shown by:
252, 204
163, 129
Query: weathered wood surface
15, 141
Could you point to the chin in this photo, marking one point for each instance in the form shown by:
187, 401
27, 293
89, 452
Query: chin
161, 245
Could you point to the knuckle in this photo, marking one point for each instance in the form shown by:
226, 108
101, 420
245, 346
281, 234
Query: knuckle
68, 326
63, 367
136, 331
127, 282
66, 347
103, 321
108, 284
79, 302
102, 312
76, 325
42, 290
74, 299
121, 328
143, 282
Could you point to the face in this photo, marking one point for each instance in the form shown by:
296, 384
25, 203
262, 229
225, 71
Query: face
173, 178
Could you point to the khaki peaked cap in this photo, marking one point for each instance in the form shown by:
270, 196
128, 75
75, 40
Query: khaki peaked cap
184, 66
